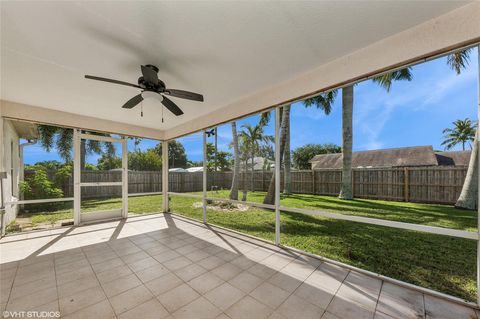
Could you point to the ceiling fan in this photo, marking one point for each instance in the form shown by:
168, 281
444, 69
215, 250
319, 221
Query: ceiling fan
151, 86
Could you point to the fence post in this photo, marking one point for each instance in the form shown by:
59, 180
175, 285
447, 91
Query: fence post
406, 182
313, 182
353, 183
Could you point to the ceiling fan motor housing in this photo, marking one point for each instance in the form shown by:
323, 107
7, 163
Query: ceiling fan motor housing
158, 87
153, 87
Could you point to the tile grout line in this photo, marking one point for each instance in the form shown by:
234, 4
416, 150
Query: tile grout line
292, 293
56, 282
143, 284
378, 298
99, 283
425, 307
11, 286
183, 281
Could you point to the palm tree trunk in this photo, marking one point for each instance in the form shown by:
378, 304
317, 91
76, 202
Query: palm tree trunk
252, 172
236, 164
347, 142
244, 190
469, 195
270, 197
287, 179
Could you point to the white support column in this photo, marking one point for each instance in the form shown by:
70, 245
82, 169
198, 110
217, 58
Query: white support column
478, 157
76, 176
204, 179
2, 177
125, 177
165, 203
277, 176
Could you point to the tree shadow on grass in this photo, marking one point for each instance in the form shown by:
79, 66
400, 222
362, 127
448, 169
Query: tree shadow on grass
438, 262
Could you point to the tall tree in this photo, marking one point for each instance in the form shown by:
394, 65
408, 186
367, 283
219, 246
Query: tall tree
236, 163
62, 140
468, 198
303, 154
322, 101
463, 132
253, 138
217, 161
346, 190
177, 157
385, 81
270, 196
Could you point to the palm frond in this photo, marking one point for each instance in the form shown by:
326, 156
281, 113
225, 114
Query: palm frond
463, 131
47, 136
386, 80
459, 60
64, 144
322, 101
264, 119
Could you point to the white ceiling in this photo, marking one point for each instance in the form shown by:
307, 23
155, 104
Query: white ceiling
224, 50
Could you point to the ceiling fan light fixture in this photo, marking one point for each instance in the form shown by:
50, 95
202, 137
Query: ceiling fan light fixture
152, 95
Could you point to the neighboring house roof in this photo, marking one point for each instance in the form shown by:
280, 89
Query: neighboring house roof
458, 158
259, 163
194, 169
392, 157
177, 169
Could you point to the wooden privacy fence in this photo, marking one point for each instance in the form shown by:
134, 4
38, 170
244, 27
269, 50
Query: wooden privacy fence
419, 184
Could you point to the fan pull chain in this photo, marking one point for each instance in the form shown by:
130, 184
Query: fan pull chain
141, 110
162, 113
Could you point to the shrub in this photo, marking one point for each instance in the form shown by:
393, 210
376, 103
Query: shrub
38, 186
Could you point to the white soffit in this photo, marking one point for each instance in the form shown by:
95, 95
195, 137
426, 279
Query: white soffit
229, 51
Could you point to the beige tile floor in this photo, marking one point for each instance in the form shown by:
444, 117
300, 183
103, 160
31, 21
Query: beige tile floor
162, 266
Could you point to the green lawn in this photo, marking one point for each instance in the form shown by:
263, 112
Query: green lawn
442, 263
136, 205
415, 213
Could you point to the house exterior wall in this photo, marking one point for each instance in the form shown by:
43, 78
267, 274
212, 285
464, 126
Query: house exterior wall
10, 164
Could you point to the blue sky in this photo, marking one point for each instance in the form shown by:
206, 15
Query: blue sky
412, 113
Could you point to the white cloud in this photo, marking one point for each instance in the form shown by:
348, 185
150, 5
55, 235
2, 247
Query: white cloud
374, 108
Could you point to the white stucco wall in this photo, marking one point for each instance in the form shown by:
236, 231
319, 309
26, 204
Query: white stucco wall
10, 164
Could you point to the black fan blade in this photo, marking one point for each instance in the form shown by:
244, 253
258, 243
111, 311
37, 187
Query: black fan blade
91, 77
133, 102
184, 95
172, 107
149, 75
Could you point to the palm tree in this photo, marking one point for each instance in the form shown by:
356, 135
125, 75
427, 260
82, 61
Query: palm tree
62, 139
346, 191
244, 152
462, 132
385, 81
253, 137
236, 163
458, 61
322, 101
284, 120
